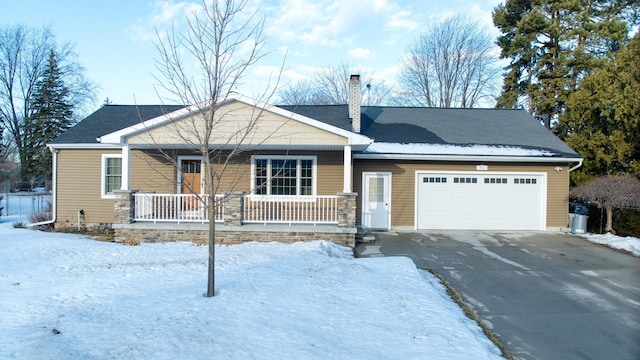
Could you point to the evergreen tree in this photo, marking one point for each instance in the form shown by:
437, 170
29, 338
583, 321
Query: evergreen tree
553, 45
51, 114
603, 118
24, 58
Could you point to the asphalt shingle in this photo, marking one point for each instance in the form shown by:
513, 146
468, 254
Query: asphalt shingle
110, 118
493, 127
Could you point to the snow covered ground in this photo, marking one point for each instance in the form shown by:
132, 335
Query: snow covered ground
274, 301
630, 244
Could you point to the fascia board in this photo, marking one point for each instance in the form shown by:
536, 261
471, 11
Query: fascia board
83, 146
469, 158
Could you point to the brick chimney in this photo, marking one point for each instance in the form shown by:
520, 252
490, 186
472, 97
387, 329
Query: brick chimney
354, 102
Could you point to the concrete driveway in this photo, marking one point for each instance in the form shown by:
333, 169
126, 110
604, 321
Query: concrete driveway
545, 295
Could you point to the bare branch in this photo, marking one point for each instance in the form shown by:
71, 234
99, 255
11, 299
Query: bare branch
330, 86
223, 42
450, 65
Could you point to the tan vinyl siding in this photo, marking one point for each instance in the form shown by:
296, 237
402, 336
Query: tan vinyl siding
152, 172
78, 187
80, 172
403, 186
330, 173
558, 196
270, 129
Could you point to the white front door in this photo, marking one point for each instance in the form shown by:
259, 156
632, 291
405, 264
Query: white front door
376, 200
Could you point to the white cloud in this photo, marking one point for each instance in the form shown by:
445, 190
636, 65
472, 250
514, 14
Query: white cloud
163, 14
293, 19
359, 53
402, 21
331, 23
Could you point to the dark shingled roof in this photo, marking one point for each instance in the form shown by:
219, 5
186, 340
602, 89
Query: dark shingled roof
110, 118
493, 127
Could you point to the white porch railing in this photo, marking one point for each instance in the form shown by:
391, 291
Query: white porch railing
265, 209
175, 207
290, 209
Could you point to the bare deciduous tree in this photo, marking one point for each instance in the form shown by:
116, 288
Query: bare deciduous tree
330, 86
24, 55
224, 41
301, 92
611, 192
450, 65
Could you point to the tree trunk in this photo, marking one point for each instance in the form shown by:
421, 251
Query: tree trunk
212, 247
609, 226
211, 208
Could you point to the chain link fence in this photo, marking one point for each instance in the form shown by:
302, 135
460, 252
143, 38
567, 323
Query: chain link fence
23, 203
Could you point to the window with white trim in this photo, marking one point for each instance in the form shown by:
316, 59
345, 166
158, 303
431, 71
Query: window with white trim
111, 174
284, 175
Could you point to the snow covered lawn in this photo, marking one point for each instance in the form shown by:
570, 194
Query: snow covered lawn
630, 244
274, 301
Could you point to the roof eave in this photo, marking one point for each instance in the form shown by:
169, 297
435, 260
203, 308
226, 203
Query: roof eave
87, 146
467, 158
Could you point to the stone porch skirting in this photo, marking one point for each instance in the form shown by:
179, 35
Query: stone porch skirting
198, 233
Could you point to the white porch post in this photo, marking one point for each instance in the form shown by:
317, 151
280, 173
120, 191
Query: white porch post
126, 153
347, 169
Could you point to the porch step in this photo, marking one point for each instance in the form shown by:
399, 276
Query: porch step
365, 238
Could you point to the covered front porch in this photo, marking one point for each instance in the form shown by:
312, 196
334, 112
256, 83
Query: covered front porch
239, 217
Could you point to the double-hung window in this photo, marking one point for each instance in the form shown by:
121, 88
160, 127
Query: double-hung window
111, 174
284, 175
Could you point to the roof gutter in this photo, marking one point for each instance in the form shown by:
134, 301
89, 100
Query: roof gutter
83, 146
465, 158
54, 189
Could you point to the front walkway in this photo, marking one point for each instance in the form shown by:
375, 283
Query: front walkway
545, 295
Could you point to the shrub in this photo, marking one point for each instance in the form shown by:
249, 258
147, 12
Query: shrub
131, 240
611, 193
19, 225
39, 216
627, 223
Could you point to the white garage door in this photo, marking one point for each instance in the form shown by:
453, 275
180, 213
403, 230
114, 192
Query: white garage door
487, 201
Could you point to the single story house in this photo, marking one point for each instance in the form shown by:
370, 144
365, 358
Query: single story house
311, 172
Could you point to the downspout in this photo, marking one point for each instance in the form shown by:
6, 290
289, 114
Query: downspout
577, 166
54, 189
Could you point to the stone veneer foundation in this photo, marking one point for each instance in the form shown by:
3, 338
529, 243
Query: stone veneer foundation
198, 233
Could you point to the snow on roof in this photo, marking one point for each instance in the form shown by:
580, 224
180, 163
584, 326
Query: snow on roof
448, 149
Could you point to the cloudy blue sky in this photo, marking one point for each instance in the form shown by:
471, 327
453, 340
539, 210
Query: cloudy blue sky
114, 39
